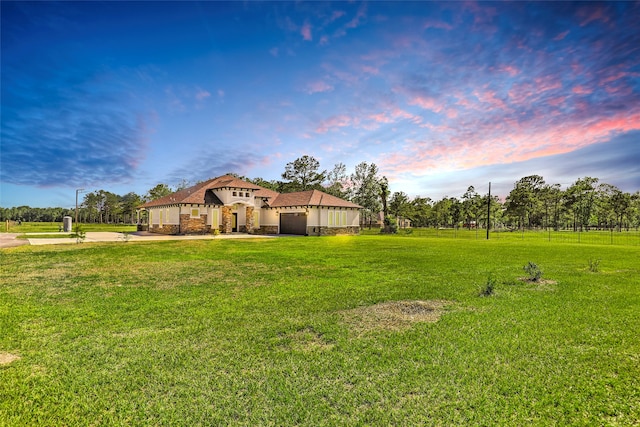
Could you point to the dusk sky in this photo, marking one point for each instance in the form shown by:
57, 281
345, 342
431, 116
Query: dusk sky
121, 96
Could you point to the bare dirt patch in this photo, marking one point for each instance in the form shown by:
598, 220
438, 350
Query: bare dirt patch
394, 315
6, 358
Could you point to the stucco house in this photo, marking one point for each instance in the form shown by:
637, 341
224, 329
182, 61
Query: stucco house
229, 204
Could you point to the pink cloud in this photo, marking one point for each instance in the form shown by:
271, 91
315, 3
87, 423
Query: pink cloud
486, 144
511, 70
333, 123
489, 97
592, 12
202, 94
426, 103
317, 87
370, 70
360, 16
337, 14
547, 83
561, 36
305, 31
581, 90
441, 25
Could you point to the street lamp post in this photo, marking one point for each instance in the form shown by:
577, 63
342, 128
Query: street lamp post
79, 190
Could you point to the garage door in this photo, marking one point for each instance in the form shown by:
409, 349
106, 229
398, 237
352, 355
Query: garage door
293, 223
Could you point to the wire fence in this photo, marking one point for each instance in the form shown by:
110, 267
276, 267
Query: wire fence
594, 237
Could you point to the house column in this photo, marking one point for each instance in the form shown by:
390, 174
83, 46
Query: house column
249, 219
226, 219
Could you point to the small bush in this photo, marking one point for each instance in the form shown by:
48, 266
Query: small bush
79, 234
390, 225
594, 265
488, 289
533, 271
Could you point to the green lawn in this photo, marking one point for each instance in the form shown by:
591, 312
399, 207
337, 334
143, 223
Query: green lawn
284, 332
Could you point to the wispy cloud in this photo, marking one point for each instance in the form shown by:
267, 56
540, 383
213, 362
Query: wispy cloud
305, 31
318, 86
66, 126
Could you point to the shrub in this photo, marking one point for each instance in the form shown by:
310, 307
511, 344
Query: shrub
488, 289
594, 265
79, 234
390, 225
533, 271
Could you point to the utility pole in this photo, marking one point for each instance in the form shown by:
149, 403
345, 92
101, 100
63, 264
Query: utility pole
79, 190
489, 211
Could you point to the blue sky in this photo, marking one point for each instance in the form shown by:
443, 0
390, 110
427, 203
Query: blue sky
121, 96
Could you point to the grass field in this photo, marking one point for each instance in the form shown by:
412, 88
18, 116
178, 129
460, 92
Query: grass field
594, 237
295, 331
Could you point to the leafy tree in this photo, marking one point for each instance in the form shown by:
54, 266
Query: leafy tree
400, 206
337, 180
421, 212
271, 185
365, 190
130, 202
524, 200
158, 191
471, 206
302, 174
580, 199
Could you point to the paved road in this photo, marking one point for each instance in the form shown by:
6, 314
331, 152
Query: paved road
8, 240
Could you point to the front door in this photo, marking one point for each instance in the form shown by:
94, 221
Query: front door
234, 222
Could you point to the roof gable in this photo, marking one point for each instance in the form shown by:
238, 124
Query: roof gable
201, 194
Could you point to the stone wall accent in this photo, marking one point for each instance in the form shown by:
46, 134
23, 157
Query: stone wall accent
165, 229
190, 225
249, 219
266, 229
227, 216
332, 231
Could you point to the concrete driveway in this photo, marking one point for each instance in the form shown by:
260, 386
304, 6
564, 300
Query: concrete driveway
8, 240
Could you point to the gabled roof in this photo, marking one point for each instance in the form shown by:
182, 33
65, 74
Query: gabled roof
196, 194
201, 194
311, 198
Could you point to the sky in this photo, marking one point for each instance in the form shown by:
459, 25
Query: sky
121, 96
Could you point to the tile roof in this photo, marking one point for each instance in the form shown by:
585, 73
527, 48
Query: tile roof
201, 194
311, 198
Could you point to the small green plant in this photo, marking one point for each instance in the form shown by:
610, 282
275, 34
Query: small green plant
79, 234
533, 271
594, 265
408, 231
489, 288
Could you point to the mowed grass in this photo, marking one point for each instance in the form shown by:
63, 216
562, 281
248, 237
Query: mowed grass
270, 332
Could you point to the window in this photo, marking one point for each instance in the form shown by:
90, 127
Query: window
246, 194
344, 218
166, 215
150, 217
256, 219
331, 218
215, 222
235, 194
195, 213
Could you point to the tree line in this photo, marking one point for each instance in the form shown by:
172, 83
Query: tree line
532, 203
